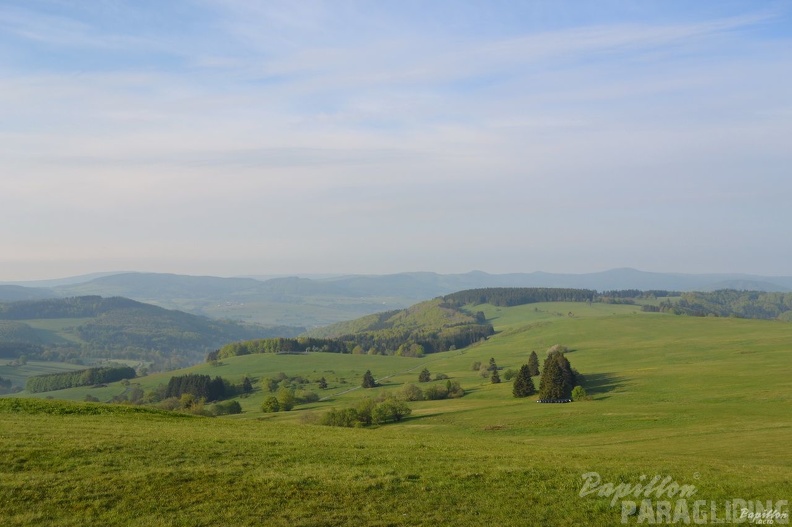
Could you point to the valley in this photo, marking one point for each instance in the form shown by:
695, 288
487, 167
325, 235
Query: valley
679, 396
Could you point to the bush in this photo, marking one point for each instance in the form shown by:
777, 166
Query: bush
440, 377
557, 347
271, 385
454, 390
226, 408
579, 394
270, 405
436, 392
305, 396
170, 404
347, 417
476, 366
390, 410
366, 413
411, 392
509, 374
286, 399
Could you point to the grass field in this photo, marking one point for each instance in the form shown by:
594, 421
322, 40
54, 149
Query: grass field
704, 401
19, 374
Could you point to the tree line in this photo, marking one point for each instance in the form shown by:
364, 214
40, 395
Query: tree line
73, 379
516, 296
199, 386
729, 303
393, 341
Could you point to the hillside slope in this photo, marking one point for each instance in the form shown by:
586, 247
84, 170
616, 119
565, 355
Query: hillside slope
312, 302
683, 397
92, 326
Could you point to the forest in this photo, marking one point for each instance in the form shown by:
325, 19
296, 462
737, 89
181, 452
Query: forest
729, 303
117, 328
73, 379
404, 342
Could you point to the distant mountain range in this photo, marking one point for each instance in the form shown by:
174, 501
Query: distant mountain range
311, 302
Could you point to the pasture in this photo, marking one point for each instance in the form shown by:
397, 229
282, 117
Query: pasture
704, 401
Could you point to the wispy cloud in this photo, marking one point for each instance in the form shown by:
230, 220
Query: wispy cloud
364, 119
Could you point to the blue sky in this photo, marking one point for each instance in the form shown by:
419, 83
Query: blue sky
233, 137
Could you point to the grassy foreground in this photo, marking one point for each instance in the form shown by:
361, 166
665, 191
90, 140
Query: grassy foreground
704, 401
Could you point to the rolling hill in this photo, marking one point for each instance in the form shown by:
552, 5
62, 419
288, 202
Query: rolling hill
683, 397
313, 302
91, 326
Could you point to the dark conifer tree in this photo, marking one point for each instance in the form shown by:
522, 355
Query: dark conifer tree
492, 366
551, 384
557, 379
495, 378
523, 384
533, 364
368, 380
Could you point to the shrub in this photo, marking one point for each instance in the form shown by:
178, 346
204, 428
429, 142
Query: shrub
509, 374
286, 399
367, 412
579, 393
476, 366
226, 408
347, 417
436, 392
271, 385
454, 390
440, 377
390, 410
411, 392
305, 396
171, 403
270, 405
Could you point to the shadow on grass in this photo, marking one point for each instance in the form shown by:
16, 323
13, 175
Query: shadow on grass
412, 418
602, 383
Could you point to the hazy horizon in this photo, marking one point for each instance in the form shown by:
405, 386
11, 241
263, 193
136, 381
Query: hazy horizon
232, 138
317, 276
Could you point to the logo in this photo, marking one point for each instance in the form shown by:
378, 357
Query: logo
662, 500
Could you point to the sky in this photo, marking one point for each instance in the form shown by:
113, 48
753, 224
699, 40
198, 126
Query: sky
234, 137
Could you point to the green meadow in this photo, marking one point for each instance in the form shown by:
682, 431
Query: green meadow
703, 401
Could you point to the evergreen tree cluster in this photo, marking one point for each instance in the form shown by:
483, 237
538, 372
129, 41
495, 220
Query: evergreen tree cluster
73, 379
729, 303
199, 386
558, 378
516, 296
523, 384
405, 342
